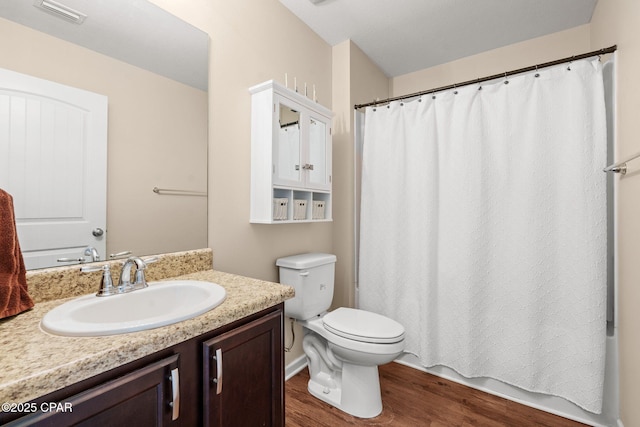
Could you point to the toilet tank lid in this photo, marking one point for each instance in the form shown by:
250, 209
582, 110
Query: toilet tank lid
302, 261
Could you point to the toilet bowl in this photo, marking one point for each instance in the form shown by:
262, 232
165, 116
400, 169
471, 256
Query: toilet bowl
343, 347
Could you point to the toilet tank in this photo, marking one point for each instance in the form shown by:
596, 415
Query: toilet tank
312, 277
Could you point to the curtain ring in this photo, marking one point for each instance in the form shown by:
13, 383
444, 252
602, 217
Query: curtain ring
506, 80
537, 74
479, 85
455, 92
569, 67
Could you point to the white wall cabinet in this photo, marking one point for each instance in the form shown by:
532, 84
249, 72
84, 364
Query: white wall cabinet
290, 156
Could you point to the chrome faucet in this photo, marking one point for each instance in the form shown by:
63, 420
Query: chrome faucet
92, 252
140, 282
107, 287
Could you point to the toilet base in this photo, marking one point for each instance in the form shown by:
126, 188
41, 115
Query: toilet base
359, 394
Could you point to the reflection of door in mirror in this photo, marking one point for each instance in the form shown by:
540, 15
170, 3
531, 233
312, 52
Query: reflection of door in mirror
288, 166
53, 144
318, 152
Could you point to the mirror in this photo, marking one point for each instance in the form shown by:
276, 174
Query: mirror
153, 68
288, 166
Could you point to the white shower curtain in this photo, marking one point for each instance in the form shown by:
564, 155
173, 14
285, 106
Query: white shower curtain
483, 229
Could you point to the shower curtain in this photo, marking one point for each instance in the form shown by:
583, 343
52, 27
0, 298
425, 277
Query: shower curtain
483, 228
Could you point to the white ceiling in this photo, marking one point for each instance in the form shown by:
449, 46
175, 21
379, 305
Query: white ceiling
402, 36
134, 31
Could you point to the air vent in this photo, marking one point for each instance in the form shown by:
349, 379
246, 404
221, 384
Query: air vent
60, 10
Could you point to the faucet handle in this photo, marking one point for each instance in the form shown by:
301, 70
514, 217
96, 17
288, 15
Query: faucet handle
151, 260
119, 254
106, 283
92, 253
77, 260
140, 281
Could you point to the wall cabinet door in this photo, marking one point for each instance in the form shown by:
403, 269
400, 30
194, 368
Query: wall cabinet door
301, 146
287, 146
242, 375
318, 153
147, 397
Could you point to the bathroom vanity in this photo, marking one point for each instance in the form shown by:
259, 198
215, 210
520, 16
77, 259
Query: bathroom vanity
224, 367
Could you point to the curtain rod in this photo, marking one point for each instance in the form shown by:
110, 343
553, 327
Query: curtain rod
493, 77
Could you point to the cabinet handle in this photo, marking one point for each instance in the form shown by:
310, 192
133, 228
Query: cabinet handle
175, 394
218, 379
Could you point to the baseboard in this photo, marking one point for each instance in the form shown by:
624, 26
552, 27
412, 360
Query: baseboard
294, 367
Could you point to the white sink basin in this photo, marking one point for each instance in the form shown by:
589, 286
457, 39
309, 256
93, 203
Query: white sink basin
161, 304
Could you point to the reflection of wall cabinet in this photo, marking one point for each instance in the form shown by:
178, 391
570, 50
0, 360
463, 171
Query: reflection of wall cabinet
290, 156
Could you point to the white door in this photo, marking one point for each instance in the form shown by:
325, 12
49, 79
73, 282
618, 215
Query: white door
53, 161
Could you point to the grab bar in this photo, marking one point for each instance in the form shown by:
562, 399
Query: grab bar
179, 192
620, 167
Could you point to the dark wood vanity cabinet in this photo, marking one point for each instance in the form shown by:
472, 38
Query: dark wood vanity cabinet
143, 397
243, 375
176, 387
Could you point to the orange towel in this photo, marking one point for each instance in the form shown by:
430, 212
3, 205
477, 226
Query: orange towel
14, 297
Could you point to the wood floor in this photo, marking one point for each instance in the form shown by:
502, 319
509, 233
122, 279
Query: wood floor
415, 398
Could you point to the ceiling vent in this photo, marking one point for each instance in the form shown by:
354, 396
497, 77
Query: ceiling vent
60, 10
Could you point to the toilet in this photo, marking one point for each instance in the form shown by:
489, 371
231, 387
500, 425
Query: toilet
343, 347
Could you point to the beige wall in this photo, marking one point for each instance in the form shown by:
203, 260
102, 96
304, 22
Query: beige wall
524, 54
157, 137
254, 41
356, 79
618, 22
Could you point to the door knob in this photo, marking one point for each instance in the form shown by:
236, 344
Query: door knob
97, 232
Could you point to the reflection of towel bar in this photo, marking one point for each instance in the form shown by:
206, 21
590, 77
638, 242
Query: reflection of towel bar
179, 192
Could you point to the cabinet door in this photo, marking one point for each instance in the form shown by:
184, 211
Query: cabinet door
243, 375
146, 397
287, 144
318, 154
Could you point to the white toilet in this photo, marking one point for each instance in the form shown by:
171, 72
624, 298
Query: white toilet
343, 347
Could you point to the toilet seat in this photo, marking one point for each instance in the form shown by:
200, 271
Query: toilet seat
363, 326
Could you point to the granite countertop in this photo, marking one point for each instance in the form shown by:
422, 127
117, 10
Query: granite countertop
35, 363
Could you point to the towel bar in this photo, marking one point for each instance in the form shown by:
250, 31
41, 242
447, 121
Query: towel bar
620, 167
179, 192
